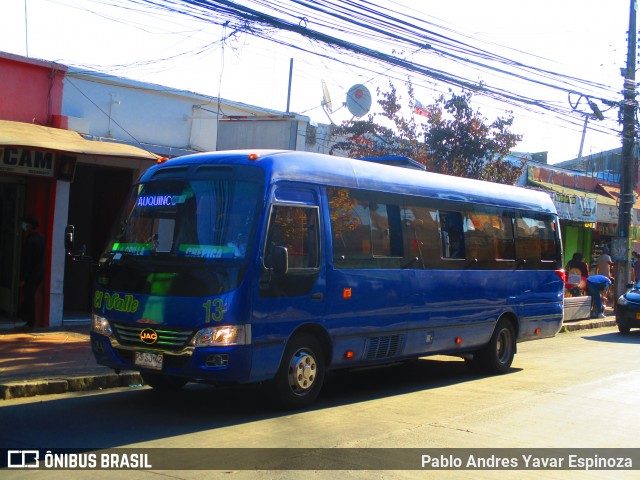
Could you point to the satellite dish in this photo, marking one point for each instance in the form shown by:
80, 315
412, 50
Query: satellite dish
326, 98
358, 100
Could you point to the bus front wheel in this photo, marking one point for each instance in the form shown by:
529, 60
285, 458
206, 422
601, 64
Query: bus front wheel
301, 373
163, 383
497, 355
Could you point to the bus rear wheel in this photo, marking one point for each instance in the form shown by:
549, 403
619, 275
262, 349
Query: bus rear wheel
497, 355
162, 383
301, 373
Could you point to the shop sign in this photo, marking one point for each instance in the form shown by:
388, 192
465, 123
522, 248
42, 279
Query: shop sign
25, 161
608, 214
573, 207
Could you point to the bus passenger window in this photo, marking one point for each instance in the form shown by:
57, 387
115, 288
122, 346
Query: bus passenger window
537, 240
350, 225
548, 241
420, 234
452, 235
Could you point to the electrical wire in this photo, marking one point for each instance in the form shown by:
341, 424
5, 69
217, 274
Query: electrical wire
363, 35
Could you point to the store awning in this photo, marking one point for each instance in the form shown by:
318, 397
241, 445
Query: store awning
601, 199
27, 135
579, 205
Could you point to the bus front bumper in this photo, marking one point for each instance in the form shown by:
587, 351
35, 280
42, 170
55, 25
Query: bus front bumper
199, 364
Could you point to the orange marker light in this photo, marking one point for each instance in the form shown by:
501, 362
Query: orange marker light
458, 340
346, 293
161, 160
538, 331
253, 156
349, 354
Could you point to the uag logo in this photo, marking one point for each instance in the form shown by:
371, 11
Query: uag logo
148, 336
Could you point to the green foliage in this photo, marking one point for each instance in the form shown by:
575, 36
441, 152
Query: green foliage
453, 140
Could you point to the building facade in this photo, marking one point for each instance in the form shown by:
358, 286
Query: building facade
73, 142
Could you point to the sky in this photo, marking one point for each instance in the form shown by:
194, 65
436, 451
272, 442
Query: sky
585, 40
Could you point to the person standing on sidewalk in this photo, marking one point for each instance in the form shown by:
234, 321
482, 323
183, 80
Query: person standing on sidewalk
604, 263
31, 268
597, 285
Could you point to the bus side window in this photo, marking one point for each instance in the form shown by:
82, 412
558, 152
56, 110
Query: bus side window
537, 241
295, 228
452, 235
548, 247
420, 235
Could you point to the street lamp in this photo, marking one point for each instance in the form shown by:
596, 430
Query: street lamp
595, 114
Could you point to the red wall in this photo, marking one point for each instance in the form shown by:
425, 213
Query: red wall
31, 92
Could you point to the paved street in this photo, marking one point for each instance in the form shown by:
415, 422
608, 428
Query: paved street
577, 390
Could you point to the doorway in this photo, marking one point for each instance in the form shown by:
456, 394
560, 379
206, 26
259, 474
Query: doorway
12, 191
95, 199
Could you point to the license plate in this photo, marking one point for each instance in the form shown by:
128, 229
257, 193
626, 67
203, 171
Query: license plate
149, 360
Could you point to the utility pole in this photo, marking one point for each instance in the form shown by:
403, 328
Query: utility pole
627, 180
290, 79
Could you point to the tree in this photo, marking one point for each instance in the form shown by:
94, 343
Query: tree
455, 140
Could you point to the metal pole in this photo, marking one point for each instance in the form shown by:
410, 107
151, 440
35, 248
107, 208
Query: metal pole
26, 28
290, 77
584, 132
623, 270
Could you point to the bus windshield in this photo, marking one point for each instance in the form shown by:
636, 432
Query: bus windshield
200, 219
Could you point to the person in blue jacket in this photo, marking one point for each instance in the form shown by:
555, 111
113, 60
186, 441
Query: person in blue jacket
597, 285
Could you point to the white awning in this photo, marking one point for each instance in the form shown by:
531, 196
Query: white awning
27, 135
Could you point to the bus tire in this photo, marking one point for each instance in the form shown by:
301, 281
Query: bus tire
498, 355
301, 373
163, 383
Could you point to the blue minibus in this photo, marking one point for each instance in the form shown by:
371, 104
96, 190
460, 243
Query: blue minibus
279, 266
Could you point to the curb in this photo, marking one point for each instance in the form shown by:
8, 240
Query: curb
569, 327
48, 386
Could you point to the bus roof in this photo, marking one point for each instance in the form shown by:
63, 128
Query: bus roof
315, 168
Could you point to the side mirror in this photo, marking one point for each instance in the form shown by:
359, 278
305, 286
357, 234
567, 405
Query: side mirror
280, 260
69, 240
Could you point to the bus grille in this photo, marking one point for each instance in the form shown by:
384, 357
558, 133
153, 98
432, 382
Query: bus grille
384, 347
167, 339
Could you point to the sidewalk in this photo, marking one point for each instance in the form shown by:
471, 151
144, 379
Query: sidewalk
42, 362
58, 361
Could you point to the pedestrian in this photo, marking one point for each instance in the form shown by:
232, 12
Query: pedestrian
597, 286
604, 263
31, 268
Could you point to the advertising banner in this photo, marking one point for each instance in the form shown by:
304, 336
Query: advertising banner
573, 207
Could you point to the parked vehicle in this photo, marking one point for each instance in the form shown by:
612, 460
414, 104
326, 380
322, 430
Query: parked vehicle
628, 309
277, 266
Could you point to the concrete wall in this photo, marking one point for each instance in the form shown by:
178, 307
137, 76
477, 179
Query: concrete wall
31, 90
161, 119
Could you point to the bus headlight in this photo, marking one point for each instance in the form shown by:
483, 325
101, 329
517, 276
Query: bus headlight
101, 325
223, 336
623, 301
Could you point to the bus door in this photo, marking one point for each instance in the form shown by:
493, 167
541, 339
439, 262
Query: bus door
295, 295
